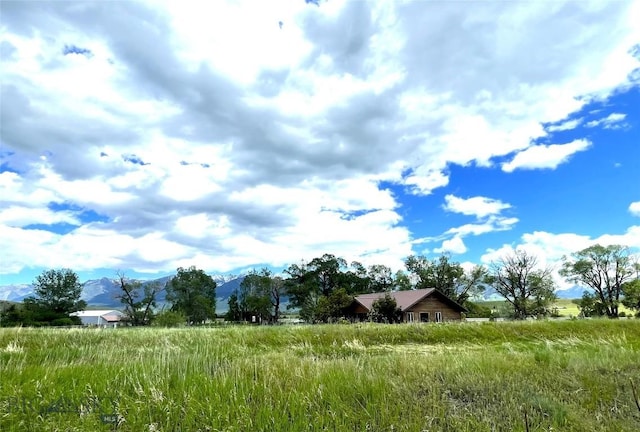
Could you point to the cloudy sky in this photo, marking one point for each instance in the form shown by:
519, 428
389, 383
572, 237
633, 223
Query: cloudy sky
143, 136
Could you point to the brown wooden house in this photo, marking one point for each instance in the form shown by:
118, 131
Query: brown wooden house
424, 305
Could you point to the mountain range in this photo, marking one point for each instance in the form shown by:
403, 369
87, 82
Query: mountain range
102, 293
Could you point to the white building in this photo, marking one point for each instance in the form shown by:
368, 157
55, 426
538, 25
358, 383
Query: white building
105, 318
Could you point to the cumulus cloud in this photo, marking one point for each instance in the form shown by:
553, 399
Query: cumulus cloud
475, 206
634, 208
550, 248
453, 245
488, 217
545, 156
213, 135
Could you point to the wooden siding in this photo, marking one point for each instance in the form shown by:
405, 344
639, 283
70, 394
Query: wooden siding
433, 304
359, 309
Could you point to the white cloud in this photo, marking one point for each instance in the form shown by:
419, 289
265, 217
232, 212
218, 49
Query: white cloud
550, 248
492, 224
453, 245
252, 143
565, 125
545, 156
609, 122
476, 206
634, 208
23, 216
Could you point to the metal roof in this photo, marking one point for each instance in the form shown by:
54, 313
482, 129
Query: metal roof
96, 313
404, 299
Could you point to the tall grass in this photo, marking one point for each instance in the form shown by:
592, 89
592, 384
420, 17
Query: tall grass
572, 375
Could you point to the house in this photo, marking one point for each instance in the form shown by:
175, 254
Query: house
424, 305
110, 317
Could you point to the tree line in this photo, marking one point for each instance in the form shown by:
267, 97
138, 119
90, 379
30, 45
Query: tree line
323, 289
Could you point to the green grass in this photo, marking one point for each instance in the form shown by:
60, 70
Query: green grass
570, 375
565, 307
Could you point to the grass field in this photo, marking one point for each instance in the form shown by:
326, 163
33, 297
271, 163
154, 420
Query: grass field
565, 307
569, 375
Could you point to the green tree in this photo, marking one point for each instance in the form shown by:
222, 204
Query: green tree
302, 288
380, 277
385, 309
589, 305
234, 313
354, 280
260, 294
401, 281
57, 294
603, 269
138, 299
333, 306
529, 290
631, 293
193, 293
328, 271
448, 277
254, 295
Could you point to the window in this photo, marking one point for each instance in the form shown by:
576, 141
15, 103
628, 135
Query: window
409, 317
424, 316
438, 316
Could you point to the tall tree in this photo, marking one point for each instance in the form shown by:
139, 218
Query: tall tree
260, 294
401, 281
192, 292
354, 280
138, 299
631, 292
380, 277
328, 271
448, 277
234, 313
254, 294
517, 278
277, 289
58, 291
302, 288
603, 269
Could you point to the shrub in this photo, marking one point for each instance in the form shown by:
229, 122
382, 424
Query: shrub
170, 319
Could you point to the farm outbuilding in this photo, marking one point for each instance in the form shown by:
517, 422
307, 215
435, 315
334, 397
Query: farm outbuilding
423, 305
105, 318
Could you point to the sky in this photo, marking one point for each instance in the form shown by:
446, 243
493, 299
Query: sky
146, 136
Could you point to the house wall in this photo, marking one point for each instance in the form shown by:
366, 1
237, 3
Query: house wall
433, 304
91, 320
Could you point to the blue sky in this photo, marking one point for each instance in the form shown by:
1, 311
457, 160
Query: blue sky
236, 135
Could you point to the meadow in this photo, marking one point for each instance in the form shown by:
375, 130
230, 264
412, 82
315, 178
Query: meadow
576, 375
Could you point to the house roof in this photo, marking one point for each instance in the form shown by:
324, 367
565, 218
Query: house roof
96, 313
405, 299
111, 318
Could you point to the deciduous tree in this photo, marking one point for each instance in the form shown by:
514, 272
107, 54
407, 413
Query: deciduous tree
603, 269
631, 292
529, 289
333, 306
193, 293
57, 293
448, 277
234, 313
260, 294
138, 299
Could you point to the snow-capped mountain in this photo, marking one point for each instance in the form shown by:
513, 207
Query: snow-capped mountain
104, 292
